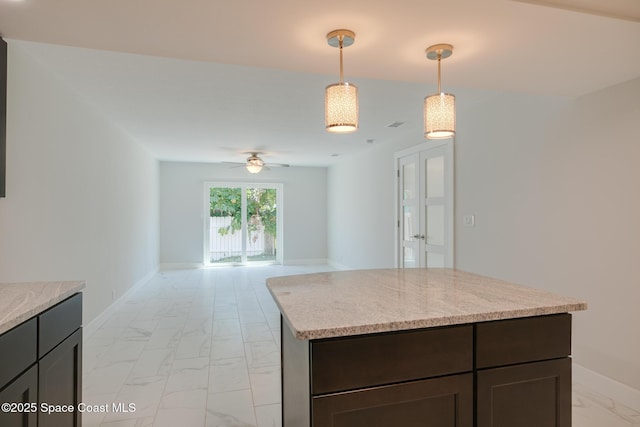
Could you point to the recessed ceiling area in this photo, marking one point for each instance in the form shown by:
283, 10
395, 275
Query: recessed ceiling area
618, 9
206, 81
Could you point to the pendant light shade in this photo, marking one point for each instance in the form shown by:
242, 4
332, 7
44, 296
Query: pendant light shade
440, 108
341, 99
341, 108
440, 116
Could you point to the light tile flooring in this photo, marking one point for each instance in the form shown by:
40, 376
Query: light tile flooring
201, 348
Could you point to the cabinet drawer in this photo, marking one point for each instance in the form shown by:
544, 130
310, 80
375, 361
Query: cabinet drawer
437, 402
59, 322
18, 350
348, 363
530, 339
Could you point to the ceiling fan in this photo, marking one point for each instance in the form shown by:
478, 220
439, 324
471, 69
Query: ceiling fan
255, 164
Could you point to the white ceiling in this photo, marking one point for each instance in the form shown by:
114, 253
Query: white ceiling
205, 80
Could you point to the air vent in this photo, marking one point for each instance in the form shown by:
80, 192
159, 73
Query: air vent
395, 124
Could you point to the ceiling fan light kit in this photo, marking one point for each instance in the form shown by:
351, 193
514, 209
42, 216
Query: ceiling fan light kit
254, 163
439, 108
341, 99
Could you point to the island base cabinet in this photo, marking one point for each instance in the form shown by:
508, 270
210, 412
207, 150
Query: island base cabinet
527, 395
444, 402
60, 382
23, 390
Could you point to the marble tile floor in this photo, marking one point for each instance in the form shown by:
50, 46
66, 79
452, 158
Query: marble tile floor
201, 348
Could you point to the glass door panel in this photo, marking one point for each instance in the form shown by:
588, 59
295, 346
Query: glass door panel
225, 225
243, 224
410, 212
435, 176
409, 181
262, 224
435, 220
435, 225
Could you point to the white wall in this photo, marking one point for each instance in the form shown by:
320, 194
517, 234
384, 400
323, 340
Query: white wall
82, 197
557, 207
361, 210
555, 194
182, 209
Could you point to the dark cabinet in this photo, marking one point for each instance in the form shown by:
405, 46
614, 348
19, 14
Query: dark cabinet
524, 372
60, 381
445, 402
527, 395
352, 363
41, 365
377, 380
503, 373
22, 394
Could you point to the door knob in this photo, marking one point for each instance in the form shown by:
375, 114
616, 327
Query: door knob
418, 236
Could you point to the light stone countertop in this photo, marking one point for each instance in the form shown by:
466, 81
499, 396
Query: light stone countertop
22, 301
342, 303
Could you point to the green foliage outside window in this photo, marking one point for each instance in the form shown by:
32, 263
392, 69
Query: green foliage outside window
261, 209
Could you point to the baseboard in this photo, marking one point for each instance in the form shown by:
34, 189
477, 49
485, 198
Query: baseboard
606, 386
180, 265
338, 266
307, 261
95, 324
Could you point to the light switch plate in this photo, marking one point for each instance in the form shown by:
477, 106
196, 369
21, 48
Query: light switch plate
469, 220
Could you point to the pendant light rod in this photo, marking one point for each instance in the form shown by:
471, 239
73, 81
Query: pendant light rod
439, 52
439, 71
341, 42
341, 39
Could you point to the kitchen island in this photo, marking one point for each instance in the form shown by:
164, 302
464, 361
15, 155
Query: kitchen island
416, 347
40, 354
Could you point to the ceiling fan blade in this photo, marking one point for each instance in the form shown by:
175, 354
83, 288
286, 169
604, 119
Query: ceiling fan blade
277, 165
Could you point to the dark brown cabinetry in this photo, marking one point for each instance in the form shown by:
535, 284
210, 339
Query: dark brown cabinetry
524, 372
22, 391
445, 402
490, 374
527, 395
41, 365
60, 383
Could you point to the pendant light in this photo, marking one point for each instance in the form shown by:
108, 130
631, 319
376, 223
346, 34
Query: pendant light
440, 108
341, 99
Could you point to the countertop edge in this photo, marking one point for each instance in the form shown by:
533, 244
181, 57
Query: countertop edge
75, 287
315, 334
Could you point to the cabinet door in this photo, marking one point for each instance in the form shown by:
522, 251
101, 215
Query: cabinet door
60, 381
23, 389
528, 395
439, 402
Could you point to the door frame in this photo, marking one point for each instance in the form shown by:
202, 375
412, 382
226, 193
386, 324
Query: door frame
448, 145
243, 185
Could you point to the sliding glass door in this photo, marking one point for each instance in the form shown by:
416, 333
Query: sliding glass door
243, 223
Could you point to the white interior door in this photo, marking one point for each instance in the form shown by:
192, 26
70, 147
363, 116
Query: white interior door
425, 207
437, 213
409, 175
